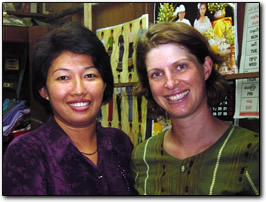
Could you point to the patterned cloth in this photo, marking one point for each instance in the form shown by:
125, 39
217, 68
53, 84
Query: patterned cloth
46, 162
229, 167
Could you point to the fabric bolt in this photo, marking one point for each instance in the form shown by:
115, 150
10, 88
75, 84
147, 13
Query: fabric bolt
129, 90
46, 162
5, 104
7, 128
119, 101
9, 124
10, 106
229, 167
9, 116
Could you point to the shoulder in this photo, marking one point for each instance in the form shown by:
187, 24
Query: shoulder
29, 144
241, 139
245, 134
36, 140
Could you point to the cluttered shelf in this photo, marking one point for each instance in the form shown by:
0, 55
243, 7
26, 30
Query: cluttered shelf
28, 14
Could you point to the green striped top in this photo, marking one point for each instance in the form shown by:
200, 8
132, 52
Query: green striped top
229, 167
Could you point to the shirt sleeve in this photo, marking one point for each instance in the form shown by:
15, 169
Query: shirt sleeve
23, 172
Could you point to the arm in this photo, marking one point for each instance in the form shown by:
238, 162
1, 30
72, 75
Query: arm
23, 171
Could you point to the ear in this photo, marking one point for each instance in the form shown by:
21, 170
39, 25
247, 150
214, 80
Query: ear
207, 67
43, 92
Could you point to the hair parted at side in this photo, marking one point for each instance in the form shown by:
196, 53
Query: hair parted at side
78, 39
186, 36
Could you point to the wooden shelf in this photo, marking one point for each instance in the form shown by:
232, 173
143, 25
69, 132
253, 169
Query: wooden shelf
15, 34
24, 14
242, 75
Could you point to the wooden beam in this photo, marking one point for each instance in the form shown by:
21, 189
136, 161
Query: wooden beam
242, 75
88, 15
70, 11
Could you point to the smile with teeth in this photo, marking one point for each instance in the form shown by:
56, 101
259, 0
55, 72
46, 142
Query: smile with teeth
79, 104
178, 96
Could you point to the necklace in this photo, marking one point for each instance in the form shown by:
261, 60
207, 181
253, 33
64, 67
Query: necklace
90, 153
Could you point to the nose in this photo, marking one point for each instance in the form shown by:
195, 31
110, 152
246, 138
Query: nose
78, 87
170, 81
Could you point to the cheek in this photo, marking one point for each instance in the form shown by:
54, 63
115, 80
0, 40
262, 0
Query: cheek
57, 92
156, 88
97, 90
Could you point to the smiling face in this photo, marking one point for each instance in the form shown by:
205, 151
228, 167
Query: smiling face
74, 88
177, 80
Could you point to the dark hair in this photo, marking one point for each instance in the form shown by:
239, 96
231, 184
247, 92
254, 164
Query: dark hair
194, 42
75, 38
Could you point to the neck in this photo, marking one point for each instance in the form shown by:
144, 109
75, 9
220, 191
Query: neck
193, 135
83, 137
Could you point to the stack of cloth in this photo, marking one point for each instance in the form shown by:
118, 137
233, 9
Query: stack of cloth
14, 111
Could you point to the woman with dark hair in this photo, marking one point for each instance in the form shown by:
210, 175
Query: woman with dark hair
200, 154
202, 23
71, 154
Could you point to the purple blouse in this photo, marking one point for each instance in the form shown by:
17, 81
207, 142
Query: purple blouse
46, 162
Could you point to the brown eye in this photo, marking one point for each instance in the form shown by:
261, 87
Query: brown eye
90, 75
181, 67
63, 78
156, 75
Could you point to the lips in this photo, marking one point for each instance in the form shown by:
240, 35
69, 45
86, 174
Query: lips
80, 105
177, 96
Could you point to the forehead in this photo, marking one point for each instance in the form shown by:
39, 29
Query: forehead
68, 56
167, 53
167, 49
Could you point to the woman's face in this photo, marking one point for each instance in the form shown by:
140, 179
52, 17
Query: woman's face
203, 9
177, 80
74, 88
182, 15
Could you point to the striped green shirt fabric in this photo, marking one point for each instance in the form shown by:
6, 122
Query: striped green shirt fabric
229, 167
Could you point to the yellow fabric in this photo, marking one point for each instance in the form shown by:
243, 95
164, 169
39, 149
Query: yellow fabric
221, 25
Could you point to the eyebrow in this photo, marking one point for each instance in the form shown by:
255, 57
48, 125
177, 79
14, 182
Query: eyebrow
174, 63
66, 69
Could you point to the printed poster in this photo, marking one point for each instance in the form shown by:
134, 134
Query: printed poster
247, 90
218, 23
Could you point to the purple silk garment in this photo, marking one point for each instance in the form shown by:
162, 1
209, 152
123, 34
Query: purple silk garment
46, 162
